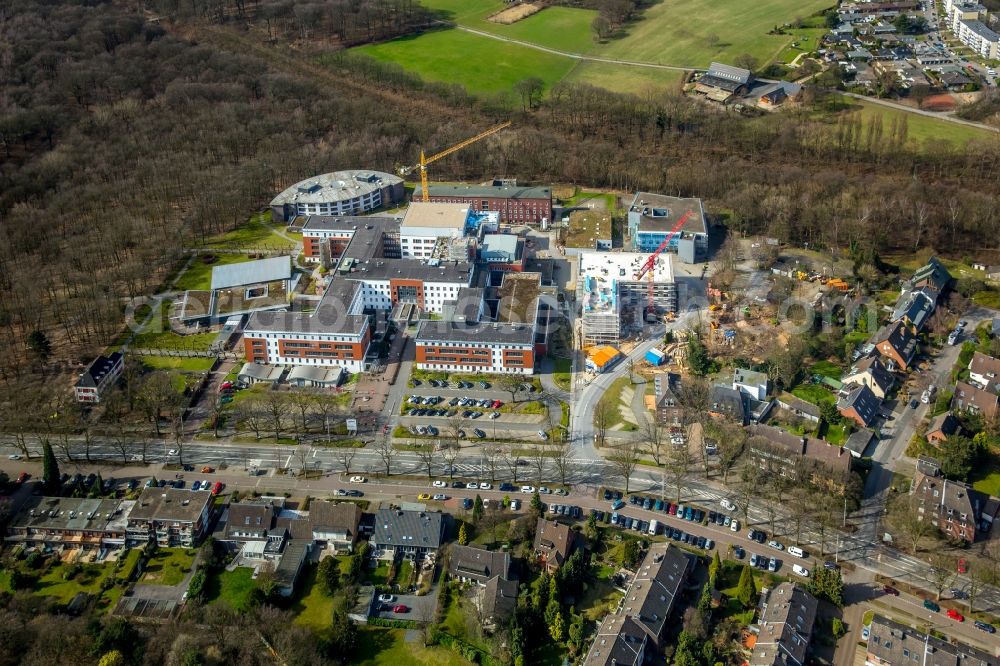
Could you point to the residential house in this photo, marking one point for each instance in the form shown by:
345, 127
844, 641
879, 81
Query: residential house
553, 543
751, 383
477, 565
915, 308
799, 407
956, 508
870, 372
170, 516
976, 400
100, 375
984, 371
497, 600
892, 644
412, 534
334, 525
787, 614
859, 441
728, 403
638, 626
897, 345
942, 427
668, 409
781, 452
932, 274
860, 405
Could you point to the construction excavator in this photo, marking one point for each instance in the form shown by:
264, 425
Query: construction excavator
424, 161
647, 268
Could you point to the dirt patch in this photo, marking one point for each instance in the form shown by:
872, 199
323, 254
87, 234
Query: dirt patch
515, 13
943, 102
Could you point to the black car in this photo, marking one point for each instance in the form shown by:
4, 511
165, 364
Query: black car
701, 542
647, 503
90, 479
457, 484
506, 487
466, 414
634, 499
988, 628
699, 515
739, 553
913, 404
712, 516
675, 534
617, 494
607, 495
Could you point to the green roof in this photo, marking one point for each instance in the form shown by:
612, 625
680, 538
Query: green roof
497, 191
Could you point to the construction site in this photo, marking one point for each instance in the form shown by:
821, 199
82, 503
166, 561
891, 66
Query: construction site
619, 291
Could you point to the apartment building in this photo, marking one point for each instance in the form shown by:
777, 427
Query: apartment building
892, 644
100, 375
978, 37
514, 203
52, 522
172, 517
652, 217
412, 534
959, 510
784, 628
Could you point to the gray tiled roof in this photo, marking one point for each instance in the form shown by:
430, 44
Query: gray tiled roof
251, 272
894, 643
418, 529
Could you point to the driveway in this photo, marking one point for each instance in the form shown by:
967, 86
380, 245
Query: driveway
421, 609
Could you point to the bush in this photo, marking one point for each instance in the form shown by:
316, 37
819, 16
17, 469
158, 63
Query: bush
394, 624
837, 628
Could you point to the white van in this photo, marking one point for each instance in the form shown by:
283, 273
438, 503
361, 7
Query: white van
735, 525
796, 551
653, 527
800, 570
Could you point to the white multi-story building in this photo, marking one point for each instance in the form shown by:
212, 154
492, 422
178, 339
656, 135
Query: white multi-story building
338, 193
979, 38
427, 221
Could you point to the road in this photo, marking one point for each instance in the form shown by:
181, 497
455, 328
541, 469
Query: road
585, 398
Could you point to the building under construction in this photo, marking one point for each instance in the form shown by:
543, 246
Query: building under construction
614, 301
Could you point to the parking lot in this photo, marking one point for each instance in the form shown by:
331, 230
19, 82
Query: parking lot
444, 410
419, 609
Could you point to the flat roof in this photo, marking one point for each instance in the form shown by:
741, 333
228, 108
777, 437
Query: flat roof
433, 270
69, 513
251, 272
429, 332
495, 191
345, 223
586, 227
328, 319
170, 504
504, 244
659, 212
335, 186
608, 266
519, 297
435, 214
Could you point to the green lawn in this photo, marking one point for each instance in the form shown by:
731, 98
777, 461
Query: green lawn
53, 583
806, 40
986, 477
184, 363
562, 372
826, 369
198, 275
380, 574
257, 233
612, 398
680, 32
481, 64
156, 334
168, 566
388, 647
814, 393
231, 587
128, 564
312, 607
836, 434
623, 78
988, 299
5, 581
920, 128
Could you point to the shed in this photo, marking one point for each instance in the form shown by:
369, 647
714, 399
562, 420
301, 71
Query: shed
656, 357
601, 359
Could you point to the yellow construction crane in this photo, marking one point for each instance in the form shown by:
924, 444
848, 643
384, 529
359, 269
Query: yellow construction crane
424, 161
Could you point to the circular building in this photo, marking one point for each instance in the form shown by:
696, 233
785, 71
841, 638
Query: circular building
338, 193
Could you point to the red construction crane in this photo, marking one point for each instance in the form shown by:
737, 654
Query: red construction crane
647, 266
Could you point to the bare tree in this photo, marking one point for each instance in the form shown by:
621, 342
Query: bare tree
751, 481
345, 456
624, 460
604, 417
383, 446
729, 448
251, 412
428, 456
275, 411
511, 384
512, 462
655, 437
492, 454
323, 404
908, 524
122, 440
301, 401
561, 459
538, 455
942, 573
157, 395
678, 467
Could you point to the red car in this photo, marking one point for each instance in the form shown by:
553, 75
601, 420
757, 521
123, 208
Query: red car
22, 477
400, 609
672, 509
955, 615
225, 385
962, 566
497, 404
889, 589
217, 488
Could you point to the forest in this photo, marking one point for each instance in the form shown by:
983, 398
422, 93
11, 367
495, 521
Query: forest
128, 138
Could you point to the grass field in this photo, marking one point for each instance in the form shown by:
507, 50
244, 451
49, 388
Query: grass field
388, 647
168, 566
814, 393
257, 233
231, 587
156, 334
986, 478
562, 373
481, 64
312, 607
198, 275
624, 79
826, 369
183, 363
89, 580
920, 129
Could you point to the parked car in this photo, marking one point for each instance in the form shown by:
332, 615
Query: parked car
472, 485
457, 484
753, 559
440, 498
738, 552
440, 484
930, 605
955, 615
988, 628
423, 496
890, 590
400, 608
466, 503
358, 479
386, 598
617, 504
796, 551
962, 565
830, 565
775, 544
772, 565
800, 570
527, 489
